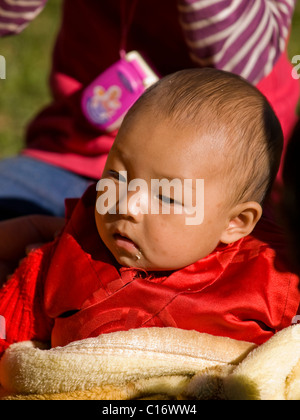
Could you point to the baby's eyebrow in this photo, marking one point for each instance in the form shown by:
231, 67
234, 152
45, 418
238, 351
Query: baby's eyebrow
160, 177
118, 153
118, 149
169, 178
156, 175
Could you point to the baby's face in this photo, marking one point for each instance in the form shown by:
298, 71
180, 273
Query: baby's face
159, 228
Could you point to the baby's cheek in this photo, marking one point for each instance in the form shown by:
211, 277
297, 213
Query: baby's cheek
158, 237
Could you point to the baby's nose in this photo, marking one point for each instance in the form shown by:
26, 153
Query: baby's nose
137, 204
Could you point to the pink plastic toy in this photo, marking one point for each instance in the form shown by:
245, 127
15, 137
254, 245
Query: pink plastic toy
106, 101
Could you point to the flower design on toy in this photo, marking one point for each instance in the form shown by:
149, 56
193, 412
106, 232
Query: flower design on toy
104, 103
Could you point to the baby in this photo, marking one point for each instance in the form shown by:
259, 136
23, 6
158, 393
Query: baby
170, 236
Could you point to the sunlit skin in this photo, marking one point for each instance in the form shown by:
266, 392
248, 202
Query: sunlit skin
149, 148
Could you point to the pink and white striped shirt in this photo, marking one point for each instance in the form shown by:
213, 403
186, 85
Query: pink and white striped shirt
15, 15
245, 37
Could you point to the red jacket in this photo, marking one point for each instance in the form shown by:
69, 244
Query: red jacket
243, 291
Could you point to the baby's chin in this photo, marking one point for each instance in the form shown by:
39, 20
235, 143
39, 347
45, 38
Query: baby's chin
148, 267
128, 261
138, 262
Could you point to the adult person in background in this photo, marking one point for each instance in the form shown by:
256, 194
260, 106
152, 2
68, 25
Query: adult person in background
290, 200
290, 203
63, 152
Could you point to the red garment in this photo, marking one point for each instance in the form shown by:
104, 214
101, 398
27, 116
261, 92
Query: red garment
243, 291
88, 44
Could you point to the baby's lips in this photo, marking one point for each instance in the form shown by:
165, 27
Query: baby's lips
125, 243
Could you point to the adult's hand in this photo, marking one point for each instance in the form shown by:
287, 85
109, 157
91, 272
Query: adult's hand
23, 233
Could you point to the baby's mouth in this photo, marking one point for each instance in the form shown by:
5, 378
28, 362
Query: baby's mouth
123, 242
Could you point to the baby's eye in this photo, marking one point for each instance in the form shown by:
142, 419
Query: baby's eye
168, 200
117, 176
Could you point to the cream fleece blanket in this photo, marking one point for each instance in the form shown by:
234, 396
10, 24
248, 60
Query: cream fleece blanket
161, 363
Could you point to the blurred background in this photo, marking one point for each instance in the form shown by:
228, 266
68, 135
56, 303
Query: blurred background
28, 58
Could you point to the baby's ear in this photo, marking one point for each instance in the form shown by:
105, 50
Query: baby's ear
243, 220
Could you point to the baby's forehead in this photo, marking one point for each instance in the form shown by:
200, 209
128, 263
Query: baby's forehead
200, 135
173, 151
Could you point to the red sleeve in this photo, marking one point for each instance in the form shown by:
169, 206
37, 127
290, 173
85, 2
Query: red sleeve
21, 303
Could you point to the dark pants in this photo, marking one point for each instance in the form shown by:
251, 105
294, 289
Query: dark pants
29, 186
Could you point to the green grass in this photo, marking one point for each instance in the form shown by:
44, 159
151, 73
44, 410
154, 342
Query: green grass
28, 59
294, 44
25, 90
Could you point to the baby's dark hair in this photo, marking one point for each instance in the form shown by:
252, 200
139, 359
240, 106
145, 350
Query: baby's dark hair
227, 107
